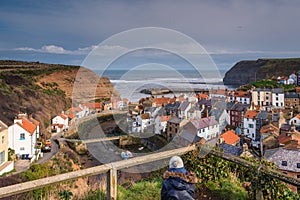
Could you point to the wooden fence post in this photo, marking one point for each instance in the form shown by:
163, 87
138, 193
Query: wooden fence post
112, 183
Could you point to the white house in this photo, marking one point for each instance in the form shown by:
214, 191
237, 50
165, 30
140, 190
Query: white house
268, 98
292, 79
278, 98
239, 96
222, 117
22, 136
250, 124
219, 93
295, 120
60, 123
207, 128
183, 109
141, 123
161, 123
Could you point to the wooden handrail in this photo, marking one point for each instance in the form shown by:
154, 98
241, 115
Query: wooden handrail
110, 167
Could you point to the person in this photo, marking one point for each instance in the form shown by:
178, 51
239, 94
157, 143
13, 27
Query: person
178, 183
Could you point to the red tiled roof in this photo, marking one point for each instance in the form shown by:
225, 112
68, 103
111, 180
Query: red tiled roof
251, 114
63, 116
77, 109
165, 118
219, 91
242, 94
71, 116
230, 137
172, 100
145, 116
27, 125
97, 105
162, 100
202, 96
270, 128
284, 139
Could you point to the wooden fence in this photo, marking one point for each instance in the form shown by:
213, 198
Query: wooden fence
112, 168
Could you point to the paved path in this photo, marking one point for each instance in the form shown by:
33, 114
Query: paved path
54, 149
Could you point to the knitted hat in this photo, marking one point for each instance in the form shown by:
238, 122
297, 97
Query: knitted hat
176, 162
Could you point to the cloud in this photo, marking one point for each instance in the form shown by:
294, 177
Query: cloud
46, 49
53, 49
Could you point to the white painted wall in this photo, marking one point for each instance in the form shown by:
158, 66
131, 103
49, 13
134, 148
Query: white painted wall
14, 141
248, 131
278, 100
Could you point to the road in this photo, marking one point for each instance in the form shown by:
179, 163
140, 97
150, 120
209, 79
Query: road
54, 149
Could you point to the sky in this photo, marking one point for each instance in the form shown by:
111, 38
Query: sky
229, 30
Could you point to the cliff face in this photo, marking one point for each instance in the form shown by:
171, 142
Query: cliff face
43, 90
245, 72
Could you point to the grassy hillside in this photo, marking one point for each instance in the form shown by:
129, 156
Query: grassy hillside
245, 72
43, 90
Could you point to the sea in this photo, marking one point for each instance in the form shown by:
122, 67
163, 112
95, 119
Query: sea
130, 83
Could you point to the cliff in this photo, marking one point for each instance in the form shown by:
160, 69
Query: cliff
245, 72
44, 90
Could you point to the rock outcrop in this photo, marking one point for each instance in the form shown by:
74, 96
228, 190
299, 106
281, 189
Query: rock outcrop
245, 72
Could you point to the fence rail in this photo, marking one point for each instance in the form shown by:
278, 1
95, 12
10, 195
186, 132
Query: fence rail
112, 168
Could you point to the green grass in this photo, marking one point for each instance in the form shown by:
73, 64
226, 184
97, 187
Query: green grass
268, 84
227, 189
144, 190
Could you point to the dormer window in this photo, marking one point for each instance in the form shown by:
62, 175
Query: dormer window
284, 163
298, 165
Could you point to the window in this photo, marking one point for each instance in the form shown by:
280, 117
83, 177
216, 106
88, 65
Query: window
22, 136
276, 104
284, 163
251, 126
2, 157
22, 148
298, 165
298, 175
276, 98
3, 139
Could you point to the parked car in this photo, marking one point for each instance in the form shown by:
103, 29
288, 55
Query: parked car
47, 146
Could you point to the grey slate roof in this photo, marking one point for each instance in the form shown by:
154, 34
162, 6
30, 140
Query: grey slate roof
291, 95
204, 102
273, 90
292, 157
204, 122
175, 120
262, 115
184, 105
216, 113
240, 107
230, 149
150, 109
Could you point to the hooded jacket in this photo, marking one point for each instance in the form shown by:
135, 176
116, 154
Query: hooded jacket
177, 186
